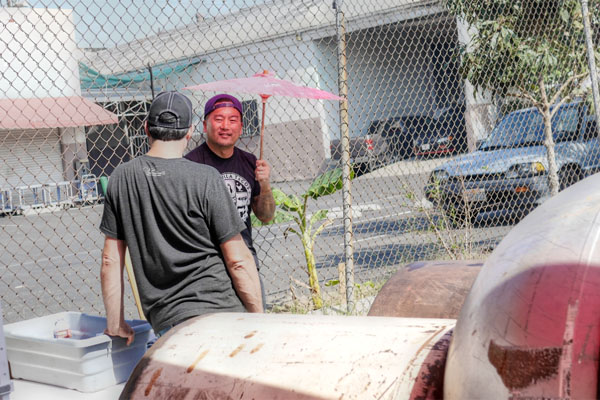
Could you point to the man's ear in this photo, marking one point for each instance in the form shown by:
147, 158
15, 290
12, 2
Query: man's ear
146, 128
204, 125
189, 134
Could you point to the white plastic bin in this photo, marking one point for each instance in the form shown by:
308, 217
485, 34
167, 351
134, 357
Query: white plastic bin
6, 385
87, 360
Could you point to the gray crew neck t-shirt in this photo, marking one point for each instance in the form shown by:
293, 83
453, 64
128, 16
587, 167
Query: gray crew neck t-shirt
174, 214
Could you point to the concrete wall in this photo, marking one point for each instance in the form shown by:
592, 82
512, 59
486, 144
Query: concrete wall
39, 54
481, 114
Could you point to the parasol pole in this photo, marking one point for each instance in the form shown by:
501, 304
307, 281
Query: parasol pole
133, 284
264, 98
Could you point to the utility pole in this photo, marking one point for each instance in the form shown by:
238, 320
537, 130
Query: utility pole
591, 62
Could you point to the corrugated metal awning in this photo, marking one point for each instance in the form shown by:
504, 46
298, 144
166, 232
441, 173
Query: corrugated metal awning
52, 112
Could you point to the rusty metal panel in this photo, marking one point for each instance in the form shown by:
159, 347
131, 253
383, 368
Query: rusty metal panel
427, 289
530, 327
284, 356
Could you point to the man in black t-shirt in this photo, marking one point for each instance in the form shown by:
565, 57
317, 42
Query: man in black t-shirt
247, 178
181, 229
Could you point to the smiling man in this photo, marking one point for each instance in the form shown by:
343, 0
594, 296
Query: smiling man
247, 178
182, 233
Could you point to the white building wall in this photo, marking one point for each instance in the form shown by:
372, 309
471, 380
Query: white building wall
480, 113
399, 84
39, 54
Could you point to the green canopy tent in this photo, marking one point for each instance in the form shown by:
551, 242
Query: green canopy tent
92, 79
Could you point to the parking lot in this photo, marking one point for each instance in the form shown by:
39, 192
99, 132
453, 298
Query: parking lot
52, 259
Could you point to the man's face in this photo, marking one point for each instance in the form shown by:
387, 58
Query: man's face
223, 127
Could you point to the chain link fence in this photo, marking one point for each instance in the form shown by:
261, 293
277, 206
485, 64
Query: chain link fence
461, 117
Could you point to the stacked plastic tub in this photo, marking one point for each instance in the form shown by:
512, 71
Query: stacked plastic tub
6, 385
70, 350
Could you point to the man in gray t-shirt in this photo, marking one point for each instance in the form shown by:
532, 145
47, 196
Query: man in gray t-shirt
181, 228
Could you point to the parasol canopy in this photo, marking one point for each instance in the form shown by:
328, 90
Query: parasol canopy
265, 84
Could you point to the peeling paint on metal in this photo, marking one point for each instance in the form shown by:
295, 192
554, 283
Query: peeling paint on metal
567, 360
155, 376
237, 350
257, 348
200, 357
212, 395
521, 367
248, 336
429, 383
171, 393
426, 343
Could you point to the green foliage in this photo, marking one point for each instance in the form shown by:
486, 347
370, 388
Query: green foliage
529, 49
519, 46
279, 218
294, 208
327, 183
287, 203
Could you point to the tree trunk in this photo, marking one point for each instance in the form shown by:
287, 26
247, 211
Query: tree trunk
549, 143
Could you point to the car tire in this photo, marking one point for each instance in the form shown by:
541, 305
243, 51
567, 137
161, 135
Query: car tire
568, 176
361, 169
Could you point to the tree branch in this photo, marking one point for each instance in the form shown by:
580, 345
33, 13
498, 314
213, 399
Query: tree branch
564, 86
524, 95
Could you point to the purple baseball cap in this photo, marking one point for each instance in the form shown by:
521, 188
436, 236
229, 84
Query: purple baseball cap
227, 101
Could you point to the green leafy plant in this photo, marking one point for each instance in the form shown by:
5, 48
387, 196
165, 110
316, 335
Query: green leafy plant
308, 226
451, 222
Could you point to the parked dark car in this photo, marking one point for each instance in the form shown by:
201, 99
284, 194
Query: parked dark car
399, 134
398, 138
367, 153
445, 134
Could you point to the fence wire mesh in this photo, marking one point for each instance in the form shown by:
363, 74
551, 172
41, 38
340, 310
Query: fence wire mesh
463, 116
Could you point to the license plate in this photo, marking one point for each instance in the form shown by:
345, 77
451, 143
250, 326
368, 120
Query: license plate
474, 195
425, 147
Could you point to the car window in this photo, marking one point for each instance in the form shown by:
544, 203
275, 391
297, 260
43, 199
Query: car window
421, 127
516, 129
526, 128
564, 125
374, 127
532, 128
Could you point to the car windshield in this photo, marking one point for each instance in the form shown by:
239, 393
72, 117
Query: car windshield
515, 130
526, 128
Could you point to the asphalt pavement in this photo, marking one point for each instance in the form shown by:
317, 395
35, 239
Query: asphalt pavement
53, 259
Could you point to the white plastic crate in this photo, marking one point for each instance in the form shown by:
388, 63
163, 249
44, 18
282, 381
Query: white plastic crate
5, 382
86, 359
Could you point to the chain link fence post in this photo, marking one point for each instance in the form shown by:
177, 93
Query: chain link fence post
346, 165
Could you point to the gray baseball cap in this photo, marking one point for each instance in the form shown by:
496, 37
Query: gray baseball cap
171, 110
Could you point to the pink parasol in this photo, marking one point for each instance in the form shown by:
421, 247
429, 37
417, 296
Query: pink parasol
265, 84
